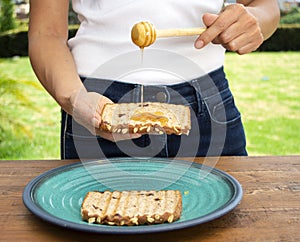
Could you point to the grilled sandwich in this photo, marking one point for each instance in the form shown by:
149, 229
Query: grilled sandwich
132, 207
149, 117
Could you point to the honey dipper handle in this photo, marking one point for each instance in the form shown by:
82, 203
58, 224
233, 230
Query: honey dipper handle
179, 32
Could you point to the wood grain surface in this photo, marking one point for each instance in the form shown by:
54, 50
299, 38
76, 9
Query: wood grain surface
269, 210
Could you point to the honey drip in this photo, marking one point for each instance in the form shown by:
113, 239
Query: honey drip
142, 95
142, 86
142, 55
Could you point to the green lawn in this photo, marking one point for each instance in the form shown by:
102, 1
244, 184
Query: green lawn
266, 88
42, 120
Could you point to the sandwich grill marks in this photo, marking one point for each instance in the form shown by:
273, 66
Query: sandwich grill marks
132, 207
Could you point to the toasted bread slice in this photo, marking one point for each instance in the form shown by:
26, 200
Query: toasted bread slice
149, 117
132, 207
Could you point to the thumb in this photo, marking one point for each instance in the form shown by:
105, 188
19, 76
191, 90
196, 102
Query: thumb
209, 19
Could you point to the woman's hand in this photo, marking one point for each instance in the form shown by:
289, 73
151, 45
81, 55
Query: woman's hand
235, 28
87, 109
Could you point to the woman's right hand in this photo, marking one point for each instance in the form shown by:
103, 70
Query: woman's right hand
87, 109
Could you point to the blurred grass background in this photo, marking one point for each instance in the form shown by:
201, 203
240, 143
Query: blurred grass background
266, 87
39, 115
267, 90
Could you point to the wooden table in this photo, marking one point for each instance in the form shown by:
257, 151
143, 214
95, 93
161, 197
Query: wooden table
269, 211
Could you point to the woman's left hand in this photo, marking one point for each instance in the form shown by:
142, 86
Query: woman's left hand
235, 28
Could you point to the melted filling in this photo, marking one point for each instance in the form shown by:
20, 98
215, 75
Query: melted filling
150, 117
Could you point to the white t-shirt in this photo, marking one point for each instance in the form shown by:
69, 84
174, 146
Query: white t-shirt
103, 47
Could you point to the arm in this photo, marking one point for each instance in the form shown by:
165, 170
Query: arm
241, 27
49, 53
55, 68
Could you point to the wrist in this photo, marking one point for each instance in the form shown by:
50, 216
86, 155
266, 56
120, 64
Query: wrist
268, 23
68, 100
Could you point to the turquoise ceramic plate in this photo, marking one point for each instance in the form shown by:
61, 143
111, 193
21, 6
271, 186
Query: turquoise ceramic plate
56, 195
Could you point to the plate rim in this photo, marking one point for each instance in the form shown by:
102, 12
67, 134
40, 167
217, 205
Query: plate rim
34, 208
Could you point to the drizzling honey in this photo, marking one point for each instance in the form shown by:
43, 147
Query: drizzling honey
142, 86
142, 55
142, 95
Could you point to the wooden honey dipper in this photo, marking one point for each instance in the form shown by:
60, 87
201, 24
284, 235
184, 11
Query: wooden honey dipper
144, 34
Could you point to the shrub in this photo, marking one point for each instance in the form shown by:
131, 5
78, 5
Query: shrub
15, 43
7, 20
286, 38
293, 18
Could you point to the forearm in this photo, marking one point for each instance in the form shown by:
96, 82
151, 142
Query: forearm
266, 12
55, 68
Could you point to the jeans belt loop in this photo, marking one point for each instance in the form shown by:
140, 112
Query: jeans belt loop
168, 96
137, 93
195, 84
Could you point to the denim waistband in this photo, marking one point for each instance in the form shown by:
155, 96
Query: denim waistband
117, 91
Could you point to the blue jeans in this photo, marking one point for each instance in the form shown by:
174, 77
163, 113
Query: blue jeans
217, 129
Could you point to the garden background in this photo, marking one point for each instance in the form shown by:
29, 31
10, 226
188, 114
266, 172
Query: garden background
265, 83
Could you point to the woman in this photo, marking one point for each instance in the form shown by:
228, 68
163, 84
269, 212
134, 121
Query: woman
69, 69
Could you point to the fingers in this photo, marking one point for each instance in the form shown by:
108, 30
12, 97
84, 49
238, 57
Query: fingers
96, 121
100, 103
209, 19
87, 110
244, 43
205, 38
216, 25
234, 28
